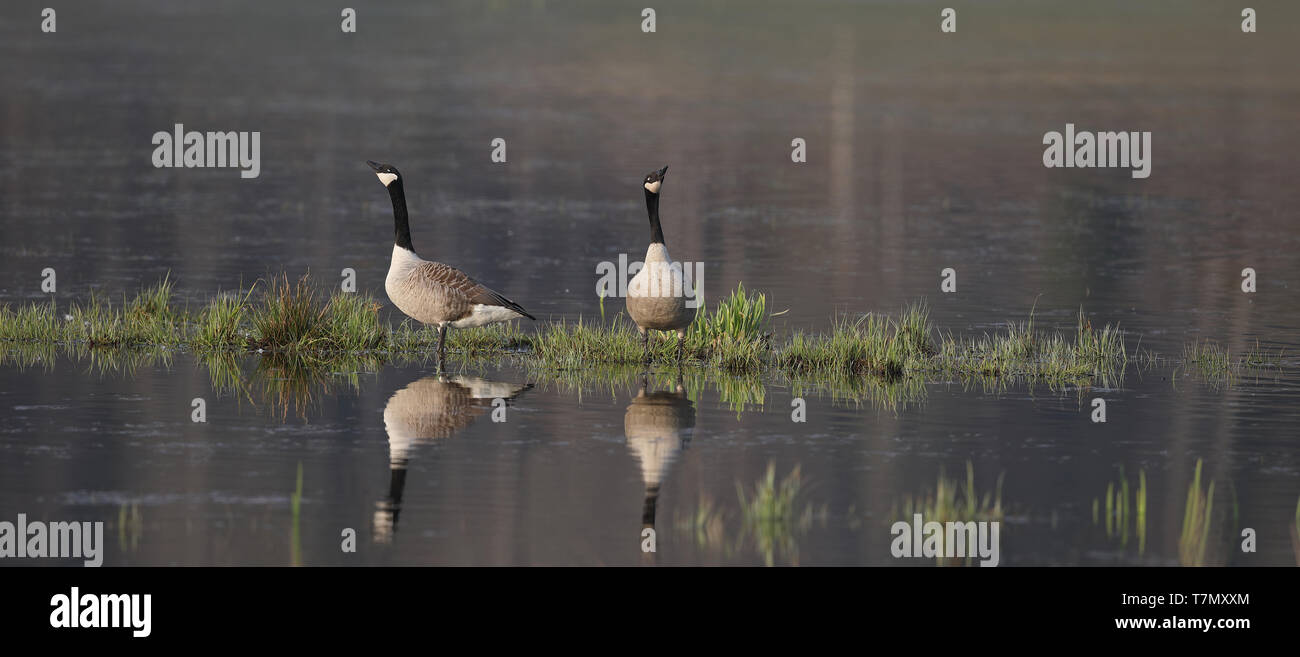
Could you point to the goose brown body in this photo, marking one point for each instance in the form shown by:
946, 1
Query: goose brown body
434, 293
655, 297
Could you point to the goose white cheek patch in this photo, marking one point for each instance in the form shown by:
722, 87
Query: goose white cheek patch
653, 187
386, 178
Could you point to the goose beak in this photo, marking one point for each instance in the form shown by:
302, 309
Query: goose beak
374, 165
663, 172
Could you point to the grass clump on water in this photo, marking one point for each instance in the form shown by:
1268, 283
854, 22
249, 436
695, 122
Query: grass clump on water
221, 323
871, 344
146, 320
292, 317
32, 323
735, 336
1025, 351
1209, 359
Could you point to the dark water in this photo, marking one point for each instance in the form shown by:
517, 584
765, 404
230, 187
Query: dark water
924, 152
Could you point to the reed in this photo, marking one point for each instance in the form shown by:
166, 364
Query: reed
1198, 512
1125, 514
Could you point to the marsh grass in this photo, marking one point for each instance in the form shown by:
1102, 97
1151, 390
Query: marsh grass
221, 323
770, 518
1216, 365
31, 323
1261, 358
146, 320
352, 323
770, 515
1198, 511
854, 346
130, 527
1025, 351
952, 501
1208, 359
289, 316
740, 317
735, 336
1124, 513
771, 502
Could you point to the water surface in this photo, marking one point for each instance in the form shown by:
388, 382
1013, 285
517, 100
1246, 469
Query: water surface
924, 153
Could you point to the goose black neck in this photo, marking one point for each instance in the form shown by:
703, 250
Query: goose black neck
652, 206
401, 225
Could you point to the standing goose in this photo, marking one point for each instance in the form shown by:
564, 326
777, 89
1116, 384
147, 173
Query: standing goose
656, 299
431, 292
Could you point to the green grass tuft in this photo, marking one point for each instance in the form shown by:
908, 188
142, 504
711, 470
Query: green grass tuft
736, 337
288, 317
1197, 517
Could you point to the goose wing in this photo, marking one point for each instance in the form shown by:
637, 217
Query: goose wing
448, 277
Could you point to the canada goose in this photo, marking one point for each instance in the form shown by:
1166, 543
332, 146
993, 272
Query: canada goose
655, 297
431, 292
431, 408
658, 425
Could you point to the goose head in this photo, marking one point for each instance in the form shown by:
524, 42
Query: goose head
654, 180
387, 173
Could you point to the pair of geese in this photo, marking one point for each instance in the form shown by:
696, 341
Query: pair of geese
437, 294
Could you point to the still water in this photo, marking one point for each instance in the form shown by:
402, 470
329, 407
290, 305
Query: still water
924, 153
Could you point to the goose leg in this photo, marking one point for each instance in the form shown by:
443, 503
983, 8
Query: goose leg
442, 343
681, 346
645, 345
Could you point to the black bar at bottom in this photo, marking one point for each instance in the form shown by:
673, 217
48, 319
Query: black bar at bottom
226, 607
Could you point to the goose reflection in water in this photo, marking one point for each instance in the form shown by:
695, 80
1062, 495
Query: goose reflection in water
658, 426
427, 410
